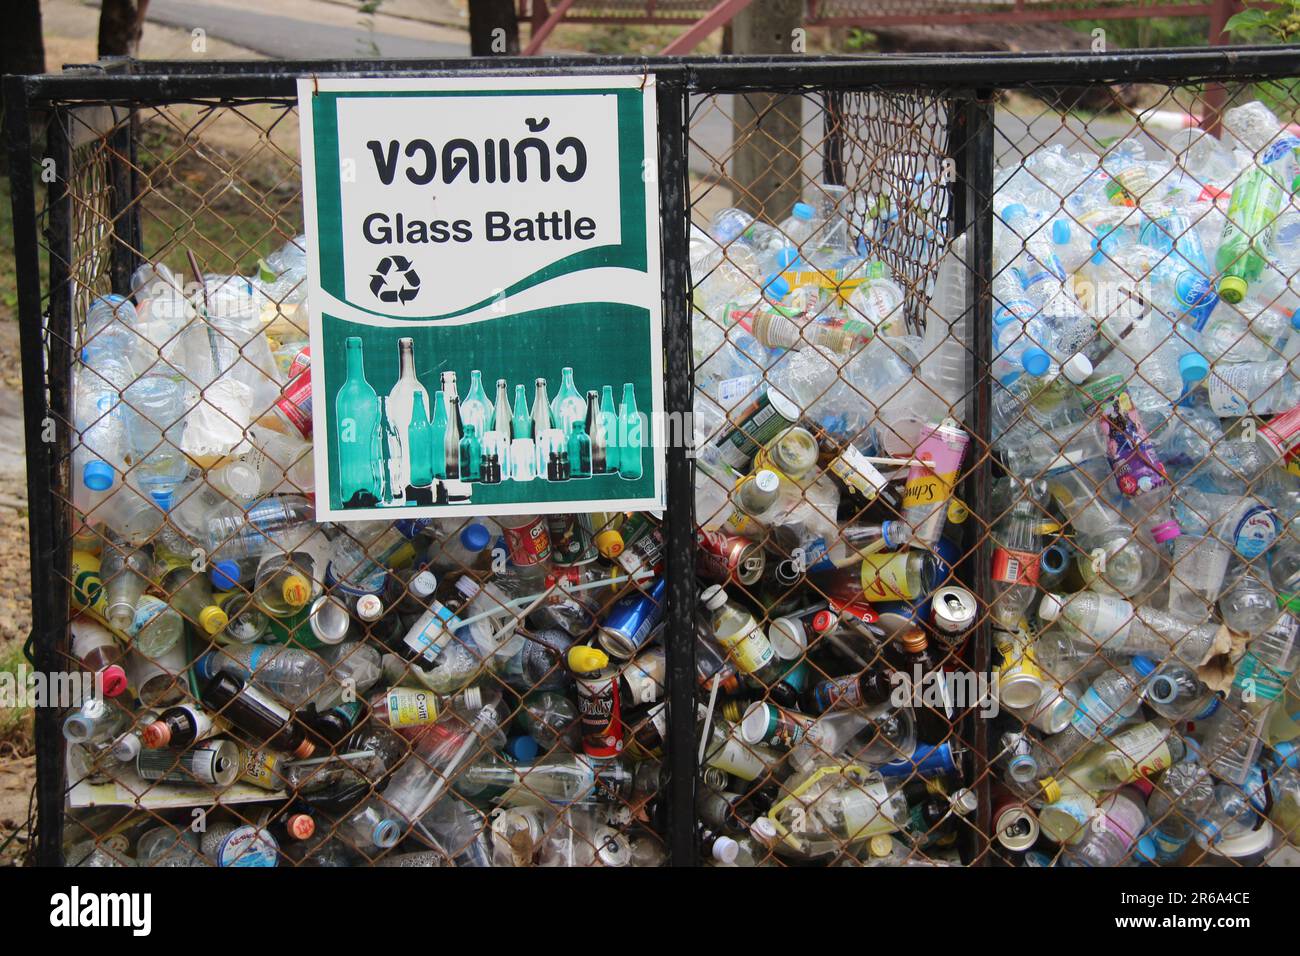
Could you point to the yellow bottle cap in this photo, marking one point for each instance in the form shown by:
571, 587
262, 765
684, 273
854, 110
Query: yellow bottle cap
609, 543
1051, 789
296, 590
212, 619
585, 660
1232, 289
880, 845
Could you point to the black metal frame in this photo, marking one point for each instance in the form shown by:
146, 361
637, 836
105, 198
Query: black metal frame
966, 79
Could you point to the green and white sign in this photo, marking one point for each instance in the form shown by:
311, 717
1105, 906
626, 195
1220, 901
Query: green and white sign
484, 295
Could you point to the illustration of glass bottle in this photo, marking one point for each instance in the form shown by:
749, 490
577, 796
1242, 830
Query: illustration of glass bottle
476, 410
568, 406
438, 435
401, 404
629, 435
420, 442
579, 451
596, 434
501, 413
356, 410
541, 409
521, 425
390, 454
471, 454
451, 439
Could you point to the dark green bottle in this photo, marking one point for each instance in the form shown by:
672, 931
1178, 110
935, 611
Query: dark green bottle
356, 413
420, 435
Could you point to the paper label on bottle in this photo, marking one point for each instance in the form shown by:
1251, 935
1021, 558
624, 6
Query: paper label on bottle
146, 609
884, 577
1256, 532
1282, 432
247, 846
294, 403
862, 805
261, 769
1094, 717
410, 707
858, 474
1228, 389
1015, 567
1114, 618
943, 450
1146, 747
1131, 455
736, 758
732, 390
749, 648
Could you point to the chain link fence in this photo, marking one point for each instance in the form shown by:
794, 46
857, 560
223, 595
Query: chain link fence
976, 557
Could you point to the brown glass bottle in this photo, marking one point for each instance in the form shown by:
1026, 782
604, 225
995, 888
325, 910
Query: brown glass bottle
264, 721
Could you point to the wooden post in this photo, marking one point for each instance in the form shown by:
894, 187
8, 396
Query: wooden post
767, 127
1216, 95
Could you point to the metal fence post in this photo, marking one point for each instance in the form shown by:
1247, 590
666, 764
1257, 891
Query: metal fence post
680, 519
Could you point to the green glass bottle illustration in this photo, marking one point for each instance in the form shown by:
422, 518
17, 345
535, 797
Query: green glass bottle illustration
420, 437
568, 405
476, 409
451, 439
609, 425
439, 432
521, 424
471, 454
579, 450
356, 412
630, 439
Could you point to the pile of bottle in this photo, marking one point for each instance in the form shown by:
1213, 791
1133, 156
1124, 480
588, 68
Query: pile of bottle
477, 692
1145, 572
828, 450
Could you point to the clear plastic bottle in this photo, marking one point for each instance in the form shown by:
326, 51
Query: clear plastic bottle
292, 674
1017, 547
1120, 822
1177, 800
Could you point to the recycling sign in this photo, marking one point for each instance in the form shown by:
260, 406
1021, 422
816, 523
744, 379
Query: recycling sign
474, 244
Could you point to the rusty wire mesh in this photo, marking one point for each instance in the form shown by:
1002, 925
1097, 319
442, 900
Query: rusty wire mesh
273, 690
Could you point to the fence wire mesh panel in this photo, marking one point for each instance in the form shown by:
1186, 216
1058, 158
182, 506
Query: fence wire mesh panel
1145, 323
984, 554
263, 689
833, 374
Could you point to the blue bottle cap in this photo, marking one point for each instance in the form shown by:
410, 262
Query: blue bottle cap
1193, 367
1146, 851
803, 211
224, 574
475, 537
97, 475
163, 499
205, 666
1060, 232
787, 258
1288, 754
1145, 666
1035, 361
1014, 211
1295, 320
777, 287
523, 749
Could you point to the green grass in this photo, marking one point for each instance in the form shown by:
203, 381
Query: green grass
15, 722
8, 273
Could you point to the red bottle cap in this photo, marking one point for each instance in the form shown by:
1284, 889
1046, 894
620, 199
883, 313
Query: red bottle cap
305, 750
300, 826
113, 680
156, 735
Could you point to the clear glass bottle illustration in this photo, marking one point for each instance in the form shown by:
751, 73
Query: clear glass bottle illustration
356, 409
630, 437
541, 409
477, 409
420, 442
401, 405
568, 406
596, 433
501, 413
389, 457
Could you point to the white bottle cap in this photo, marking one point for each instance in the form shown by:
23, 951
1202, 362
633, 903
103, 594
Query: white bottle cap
714, 597
1077, 369
763, 829
1050, 607
423, 584
767, 481
467, 587
369, 608
725, 850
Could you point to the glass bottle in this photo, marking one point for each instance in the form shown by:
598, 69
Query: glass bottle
568, 406
630, 438
401, 406
477, 410
608, 419
521, 425
579, 451
451, 439
437, 436
356, 410
541, 409
470, 454
501, 413
420, 441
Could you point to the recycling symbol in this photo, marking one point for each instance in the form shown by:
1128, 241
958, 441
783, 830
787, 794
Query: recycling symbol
395, 280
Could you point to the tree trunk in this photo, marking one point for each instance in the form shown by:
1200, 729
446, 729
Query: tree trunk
22, 49
121, 23
493, 28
